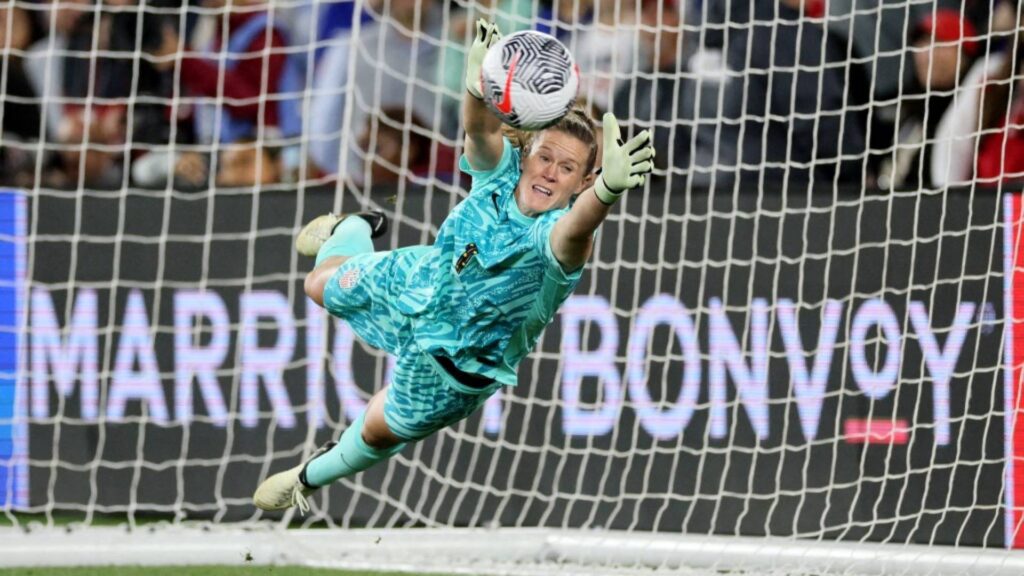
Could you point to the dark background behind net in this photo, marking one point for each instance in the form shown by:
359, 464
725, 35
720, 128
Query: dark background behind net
942, 249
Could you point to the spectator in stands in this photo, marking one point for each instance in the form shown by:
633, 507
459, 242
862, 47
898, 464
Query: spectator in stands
90, 68
191, 172
95, 64
985, 16
954, 151
90, 153
246, 163
791, 113
183, 170
132, 29
21, 120
21, 114
562, 18
1001, 150
396, 152
396, 65
258, 92
606, 49
84, 73
877, 31
663, 97
334, 16
942, 45
311, 23
49, 64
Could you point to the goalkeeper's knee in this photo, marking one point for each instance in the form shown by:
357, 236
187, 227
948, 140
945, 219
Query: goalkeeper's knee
316, 281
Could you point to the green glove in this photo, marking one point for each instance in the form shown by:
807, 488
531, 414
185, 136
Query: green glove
487, 34
623, 166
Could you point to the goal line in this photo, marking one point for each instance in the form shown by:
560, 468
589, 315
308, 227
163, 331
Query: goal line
486, 551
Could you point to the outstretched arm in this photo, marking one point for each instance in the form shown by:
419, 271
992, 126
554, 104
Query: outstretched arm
624, 166
484, 145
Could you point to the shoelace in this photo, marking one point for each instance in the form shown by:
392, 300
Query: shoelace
299, 500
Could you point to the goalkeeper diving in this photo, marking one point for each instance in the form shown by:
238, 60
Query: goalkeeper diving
461, 314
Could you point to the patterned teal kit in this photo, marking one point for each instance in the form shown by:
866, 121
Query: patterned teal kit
423, 398
481, 295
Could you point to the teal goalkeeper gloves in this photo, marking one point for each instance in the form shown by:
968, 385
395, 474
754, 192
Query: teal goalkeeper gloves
487, 34
623, 166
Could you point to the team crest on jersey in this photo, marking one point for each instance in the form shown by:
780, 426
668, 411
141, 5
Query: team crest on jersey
349, 279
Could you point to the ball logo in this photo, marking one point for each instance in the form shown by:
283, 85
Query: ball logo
506, 99
349, 279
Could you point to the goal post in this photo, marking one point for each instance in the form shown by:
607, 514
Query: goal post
766, 367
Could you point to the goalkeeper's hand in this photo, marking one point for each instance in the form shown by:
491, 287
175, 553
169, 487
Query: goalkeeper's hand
623, 166
487, 34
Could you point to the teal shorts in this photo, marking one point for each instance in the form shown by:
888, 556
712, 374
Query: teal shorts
422, 397
361, 292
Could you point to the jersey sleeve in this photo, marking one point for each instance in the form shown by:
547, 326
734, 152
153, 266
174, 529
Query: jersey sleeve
507, 163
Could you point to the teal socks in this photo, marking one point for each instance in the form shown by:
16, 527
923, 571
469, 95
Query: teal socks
351, 454
351, 236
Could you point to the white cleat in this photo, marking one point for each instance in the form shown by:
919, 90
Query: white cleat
286, 489
282, 491
315, 233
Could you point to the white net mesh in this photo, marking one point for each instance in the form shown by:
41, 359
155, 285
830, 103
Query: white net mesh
803, 327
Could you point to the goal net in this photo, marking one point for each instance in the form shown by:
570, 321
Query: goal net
797, 348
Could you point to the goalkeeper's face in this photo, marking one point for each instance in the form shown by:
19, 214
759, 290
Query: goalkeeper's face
553, 172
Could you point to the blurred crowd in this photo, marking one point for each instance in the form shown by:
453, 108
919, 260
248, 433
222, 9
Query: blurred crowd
166, 94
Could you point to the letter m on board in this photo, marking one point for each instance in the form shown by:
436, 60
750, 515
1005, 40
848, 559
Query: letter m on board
69, 355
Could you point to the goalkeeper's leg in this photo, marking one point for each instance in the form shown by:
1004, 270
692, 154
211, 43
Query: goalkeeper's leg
422, 399
333, 239
369, 440
366, 442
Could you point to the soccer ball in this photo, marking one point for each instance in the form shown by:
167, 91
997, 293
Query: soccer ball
529, 80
